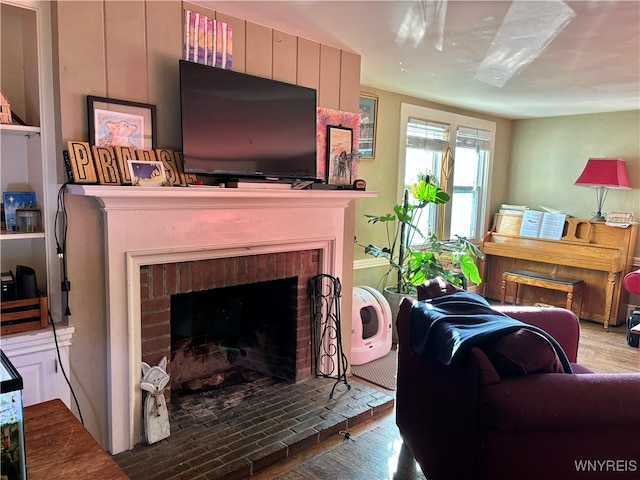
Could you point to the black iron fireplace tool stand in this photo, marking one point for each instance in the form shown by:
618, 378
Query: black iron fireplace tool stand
330, 360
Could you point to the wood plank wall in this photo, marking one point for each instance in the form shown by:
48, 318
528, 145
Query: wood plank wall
130, 51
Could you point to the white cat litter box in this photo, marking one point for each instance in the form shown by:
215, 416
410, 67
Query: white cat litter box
371, 326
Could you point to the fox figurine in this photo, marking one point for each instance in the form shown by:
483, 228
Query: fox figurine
156, 415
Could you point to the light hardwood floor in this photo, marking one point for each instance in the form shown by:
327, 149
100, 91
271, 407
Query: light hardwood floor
375, 450
606, 351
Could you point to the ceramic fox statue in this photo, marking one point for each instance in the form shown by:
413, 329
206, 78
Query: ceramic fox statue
156, 416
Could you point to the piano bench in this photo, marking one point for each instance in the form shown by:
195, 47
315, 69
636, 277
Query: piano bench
542, 280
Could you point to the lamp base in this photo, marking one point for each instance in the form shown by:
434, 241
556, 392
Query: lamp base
598, 217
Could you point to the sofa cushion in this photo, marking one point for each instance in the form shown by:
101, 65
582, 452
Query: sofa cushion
487, 374
523, 352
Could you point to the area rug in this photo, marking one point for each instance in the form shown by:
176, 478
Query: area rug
381, 371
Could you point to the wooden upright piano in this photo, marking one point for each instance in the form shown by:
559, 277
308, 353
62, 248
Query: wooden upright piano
599, 254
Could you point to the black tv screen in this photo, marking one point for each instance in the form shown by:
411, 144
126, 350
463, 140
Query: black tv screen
238, 125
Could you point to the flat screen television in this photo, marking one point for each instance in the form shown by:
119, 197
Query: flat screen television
236, 125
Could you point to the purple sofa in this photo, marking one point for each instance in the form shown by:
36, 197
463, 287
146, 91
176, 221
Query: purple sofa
465, 421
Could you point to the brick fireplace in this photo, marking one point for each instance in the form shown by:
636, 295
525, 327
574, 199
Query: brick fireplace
173, 229
161, 283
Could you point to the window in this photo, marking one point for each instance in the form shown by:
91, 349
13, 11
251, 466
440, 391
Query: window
456, 150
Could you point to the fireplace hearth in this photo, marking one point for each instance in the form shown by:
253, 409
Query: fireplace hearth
237, 431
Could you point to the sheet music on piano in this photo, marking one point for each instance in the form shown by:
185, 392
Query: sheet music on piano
539, 224
552, 226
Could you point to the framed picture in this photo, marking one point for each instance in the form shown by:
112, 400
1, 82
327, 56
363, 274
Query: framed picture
340, 159
118, 122
368, 122
326, 117
147, 174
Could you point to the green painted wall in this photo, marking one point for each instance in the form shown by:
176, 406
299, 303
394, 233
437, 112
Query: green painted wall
535, 163
548, 155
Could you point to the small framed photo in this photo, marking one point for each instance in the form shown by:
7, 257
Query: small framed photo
341, 161
119, 122
368, 123
147, 174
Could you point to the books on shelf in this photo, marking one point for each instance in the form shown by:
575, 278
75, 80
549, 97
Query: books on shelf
540, 224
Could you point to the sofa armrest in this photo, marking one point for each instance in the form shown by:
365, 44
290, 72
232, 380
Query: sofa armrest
560, 323
556, 401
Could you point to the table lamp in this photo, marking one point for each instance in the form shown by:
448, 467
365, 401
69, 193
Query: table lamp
603, 174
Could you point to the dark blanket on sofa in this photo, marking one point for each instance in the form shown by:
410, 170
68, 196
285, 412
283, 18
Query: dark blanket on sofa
444, 328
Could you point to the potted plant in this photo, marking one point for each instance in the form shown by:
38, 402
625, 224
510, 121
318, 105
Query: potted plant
414, 261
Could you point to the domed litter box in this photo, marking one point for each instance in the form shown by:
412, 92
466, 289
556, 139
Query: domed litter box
371, 326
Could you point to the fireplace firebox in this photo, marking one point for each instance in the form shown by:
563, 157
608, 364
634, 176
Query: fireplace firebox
251, 326
249, 311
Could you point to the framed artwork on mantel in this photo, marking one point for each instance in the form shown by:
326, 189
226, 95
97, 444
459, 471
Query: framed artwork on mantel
123, 123
328, 117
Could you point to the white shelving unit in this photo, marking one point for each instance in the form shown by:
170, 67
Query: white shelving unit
28, 163
22, 170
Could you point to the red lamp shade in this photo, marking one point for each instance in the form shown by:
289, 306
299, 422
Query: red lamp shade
604, 172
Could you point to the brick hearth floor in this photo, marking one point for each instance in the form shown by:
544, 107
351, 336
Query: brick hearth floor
236, 431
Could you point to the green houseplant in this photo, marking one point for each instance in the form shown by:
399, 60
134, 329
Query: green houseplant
411, 264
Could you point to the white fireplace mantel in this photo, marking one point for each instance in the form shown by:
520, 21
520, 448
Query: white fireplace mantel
113, 197
152, 225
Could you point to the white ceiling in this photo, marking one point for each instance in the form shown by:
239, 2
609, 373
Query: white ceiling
515, 59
